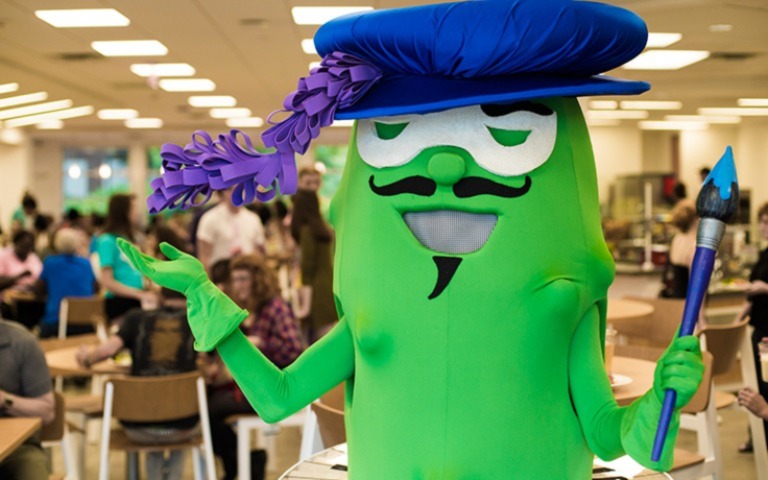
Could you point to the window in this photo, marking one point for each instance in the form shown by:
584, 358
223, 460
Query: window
92, 175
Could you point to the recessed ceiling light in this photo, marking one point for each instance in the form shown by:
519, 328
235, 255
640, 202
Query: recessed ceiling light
661, 40
117, 113
666, 59
651, 105
163, 69
728, 111
58, 115
50, 125
343, 123
703, 118
230, 112
603, 122
130, 48
616, 114
308, 45
212, 101
33, 109
753, 102
83, 17
8, 87
665, 125
320, 15
11, 136
252, 122
187, 85
313, 65
720, 27
105, 171
22, 99
603, 104
144, 123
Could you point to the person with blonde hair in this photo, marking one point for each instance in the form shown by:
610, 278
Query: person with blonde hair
681, 250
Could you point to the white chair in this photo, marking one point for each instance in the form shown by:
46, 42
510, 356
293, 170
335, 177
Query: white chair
156, 399
749, 374
57, 434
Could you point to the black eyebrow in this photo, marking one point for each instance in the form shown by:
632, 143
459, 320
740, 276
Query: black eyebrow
499, 110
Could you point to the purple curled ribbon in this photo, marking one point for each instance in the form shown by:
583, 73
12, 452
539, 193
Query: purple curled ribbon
231, 160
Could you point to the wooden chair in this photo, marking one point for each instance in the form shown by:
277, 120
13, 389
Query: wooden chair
659, 329
325, 422
56, 433
756, 425
724, 342
83, 311
156, 399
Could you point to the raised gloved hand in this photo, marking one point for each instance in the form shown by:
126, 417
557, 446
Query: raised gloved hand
212, 315
679, 368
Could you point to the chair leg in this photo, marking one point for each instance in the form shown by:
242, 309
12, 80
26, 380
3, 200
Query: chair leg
69, 457
197, 470
132, 465
105, 433
311, 442
243, 451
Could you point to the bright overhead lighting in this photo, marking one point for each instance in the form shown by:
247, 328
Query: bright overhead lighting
8, 87
320, 15
343, 123
661, 40
163, 69
22, 99
703, 118
187, 85
84, 17
32, 109
603, 104
313, 65
11, 136
308, 45
58, 115
230, 112
74, 171
50, 125
105, 171
665, 59
741, 112
605, 122
665, 125
616, 114
753, 102
720, 27
144, 123
117, 113
252, 122
651, 105
130, 48
212, 101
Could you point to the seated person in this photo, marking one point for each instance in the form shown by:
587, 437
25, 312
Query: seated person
65, 274
25, 391
160, 342
20, 268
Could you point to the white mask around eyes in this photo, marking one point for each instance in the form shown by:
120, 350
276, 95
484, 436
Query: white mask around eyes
467, 128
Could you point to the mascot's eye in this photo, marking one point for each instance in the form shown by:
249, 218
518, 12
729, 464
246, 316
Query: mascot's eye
388, 131
509, 138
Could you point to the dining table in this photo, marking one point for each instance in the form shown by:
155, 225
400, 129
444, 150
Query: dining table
14, 431
63, 361
622, 309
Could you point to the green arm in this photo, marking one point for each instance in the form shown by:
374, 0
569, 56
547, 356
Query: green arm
276, 394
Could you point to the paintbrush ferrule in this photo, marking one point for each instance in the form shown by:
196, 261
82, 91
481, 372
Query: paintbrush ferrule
710, 233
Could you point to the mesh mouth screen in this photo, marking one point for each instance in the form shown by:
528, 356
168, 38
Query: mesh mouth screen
451, 231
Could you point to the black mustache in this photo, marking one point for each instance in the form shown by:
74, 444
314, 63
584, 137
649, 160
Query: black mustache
416, 185
473, 186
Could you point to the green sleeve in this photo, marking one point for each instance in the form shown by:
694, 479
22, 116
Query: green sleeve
276, 394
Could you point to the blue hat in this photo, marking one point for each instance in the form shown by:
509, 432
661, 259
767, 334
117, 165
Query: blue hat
442, 56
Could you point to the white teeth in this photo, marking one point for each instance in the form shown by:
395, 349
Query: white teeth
451, 231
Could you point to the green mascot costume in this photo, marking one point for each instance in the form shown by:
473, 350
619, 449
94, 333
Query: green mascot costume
470, 269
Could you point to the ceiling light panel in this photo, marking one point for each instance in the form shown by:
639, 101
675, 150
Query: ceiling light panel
130, 48
248, 122
616, 114
144, 123
661, 40
313, 65
33, 109
187, 85
117, 113
651, 105
722, 119
596, 122
50, 125
58, 115
730, 111
230, 112
308, 45
22, 99
206, 101
603, 104
163, 69
753, 102
665, 125
666, 59
8, 87
84, 17
320, 15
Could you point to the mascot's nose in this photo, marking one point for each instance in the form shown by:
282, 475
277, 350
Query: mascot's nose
446, 168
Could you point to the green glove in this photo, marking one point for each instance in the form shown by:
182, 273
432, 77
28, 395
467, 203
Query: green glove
679, 368
212, 315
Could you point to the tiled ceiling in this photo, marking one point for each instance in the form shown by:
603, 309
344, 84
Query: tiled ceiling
251, 49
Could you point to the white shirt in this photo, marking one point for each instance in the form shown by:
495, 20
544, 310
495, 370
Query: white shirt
229, 233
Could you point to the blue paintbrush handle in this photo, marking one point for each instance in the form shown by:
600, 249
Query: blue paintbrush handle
701, 271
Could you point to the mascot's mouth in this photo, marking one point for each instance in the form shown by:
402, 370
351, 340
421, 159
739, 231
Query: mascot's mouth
451, 232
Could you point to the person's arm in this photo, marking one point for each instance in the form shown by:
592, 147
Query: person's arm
758, 287
42, 406
40, 288
746, 309
87, 356
112, 285
204, 252
754, 402
9, 281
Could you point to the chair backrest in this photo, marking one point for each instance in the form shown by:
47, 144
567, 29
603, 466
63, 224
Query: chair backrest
334, 398
330, 422
724, 343
54, 431
80, 311
700, 400
643, 352
154, 399
661, 327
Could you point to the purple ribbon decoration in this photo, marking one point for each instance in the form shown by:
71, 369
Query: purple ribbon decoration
205, 164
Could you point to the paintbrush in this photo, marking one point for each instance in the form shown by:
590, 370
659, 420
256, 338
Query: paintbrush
716, 204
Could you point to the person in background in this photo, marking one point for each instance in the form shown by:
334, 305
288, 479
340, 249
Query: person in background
23, 217
123, 283
754, 402
314, 237
756, 307
704, 173
42, 229
272, 329
220, 274
65, 274
25, 391
20, 267
226, 231
681, 250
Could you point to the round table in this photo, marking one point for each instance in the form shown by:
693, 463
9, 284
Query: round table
64, 362
621, 309
641, 374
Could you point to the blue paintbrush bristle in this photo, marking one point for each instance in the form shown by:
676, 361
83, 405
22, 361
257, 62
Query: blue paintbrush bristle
719, 196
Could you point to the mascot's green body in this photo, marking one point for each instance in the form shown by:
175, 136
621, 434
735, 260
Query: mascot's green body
470, 279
